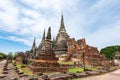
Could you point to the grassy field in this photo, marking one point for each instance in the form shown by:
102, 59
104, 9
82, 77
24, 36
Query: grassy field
25, 70
69, 62
74, 70
91, 68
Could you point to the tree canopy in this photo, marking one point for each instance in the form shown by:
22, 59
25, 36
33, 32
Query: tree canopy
10, 55
2, 55
110, 51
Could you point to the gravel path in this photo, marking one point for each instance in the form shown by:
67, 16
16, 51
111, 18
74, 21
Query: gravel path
2, 63
109, 76
11, 74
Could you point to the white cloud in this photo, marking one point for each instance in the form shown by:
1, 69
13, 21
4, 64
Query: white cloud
9, 16
17, 39
102, 4
106, 36
30, 21
27, 21
55, 5
31, 13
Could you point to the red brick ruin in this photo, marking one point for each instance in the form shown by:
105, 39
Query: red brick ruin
44, 58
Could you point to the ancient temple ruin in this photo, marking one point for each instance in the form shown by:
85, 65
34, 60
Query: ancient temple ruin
60, 46
79, 50
45, 60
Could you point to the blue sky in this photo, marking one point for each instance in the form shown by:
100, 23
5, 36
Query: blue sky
21, 20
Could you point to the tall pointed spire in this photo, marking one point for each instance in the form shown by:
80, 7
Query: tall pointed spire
48, 37
34, 42
33, 46
62, 26
43, 38
42, 41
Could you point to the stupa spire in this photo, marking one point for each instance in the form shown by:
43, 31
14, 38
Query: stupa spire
48, 37
34, 42
33, 46
43, 38
62, 26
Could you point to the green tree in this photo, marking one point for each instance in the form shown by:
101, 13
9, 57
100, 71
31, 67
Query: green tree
110, 51
10, 55
2, 55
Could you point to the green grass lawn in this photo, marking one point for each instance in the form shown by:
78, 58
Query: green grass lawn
74, 70
68, 62
92, 68
25, 70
